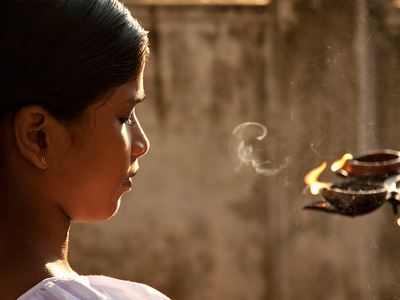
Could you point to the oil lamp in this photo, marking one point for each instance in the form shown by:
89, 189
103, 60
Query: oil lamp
370, 180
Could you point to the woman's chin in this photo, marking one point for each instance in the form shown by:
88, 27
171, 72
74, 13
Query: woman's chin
98, 215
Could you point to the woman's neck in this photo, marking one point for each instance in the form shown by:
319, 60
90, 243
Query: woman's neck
33, 245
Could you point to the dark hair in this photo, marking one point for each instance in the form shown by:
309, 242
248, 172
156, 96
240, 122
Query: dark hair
65, 54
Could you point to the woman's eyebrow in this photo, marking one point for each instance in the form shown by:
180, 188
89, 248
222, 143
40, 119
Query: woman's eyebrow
136, 99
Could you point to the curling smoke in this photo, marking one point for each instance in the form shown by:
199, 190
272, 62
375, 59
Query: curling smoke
245, 147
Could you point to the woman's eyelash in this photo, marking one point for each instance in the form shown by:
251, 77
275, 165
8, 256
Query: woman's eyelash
129, 120
126, 120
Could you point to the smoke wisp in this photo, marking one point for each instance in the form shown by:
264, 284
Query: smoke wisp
247, 149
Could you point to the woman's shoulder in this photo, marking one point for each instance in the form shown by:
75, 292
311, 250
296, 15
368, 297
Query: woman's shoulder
91, 287
127, 288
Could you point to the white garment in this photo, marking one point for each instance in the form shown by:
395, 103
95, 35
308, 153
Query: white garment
91, 288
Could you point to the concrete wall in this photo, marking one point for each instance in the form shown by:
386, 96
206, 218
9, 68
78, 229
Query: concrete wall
322, 76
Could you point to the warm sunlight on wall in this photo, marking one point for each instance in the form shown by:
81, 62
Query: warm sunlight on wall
199, 2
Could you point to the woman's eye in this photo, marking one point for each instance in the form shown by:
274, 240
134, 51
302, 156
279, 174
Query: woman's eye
129, 120
126, 121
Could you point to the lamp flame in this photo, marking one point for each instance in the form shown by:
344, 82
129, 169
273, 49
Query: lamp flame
340, 162
311, 180
398, 222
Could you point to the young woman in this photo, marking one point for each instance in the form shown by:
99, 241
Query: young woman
71, 76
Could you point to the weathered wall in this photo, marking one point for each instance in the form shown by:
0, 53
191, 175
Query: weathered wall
322, 77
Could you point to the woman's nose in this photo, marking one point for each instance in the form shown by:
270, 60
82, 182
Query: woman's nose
140, 142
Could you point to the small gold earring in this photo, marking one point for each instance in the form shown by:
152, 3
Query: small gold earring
44, 159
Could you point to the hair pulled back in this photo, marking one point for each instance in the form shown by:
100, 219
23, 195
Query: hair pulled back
65, 54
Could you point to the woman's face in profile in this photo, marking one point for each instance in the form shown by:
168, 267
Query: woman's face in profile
94, 175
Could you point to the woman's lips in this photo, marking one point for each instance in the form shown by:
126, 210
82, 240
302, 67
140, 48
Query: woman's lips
127, 182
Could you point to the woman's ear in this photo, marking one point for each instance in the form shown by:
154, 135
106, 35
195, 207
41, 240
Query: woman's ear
32, 129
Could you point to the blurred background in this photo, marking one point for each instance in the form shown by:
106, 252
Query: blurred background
323, 77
